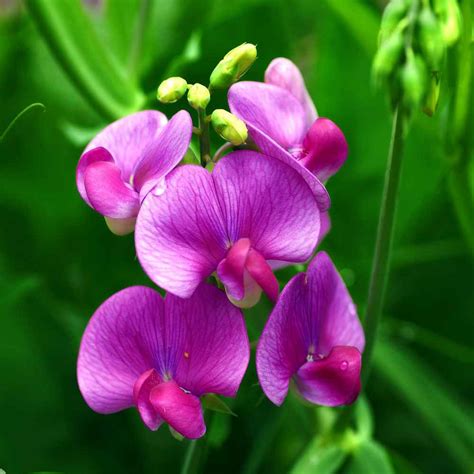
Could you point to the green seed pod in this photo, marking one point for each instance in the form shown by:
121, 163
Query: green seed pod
413, 80
198, 96
171, 90
431, 101
234, 65
392, 15
431, 38
388, 55
229, 127
450, 17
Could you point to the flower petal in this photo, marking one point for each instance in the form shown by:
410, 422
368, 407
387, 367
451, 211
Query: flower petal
262, 273
117, 347
127, 138
314, 314
270, 109
267, 201
179, 236
327, 148
284, 73
181, 410
215, 350
107, 193
332, 381
141, 394
164, 152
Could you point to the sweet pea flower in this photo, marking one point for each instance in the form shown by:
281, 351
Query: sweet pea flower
160, 355
127, 160
251, 212
313, 337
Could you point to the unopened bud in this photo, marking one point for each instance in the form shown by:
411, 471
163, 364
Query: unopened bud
414, 77
388, 55
234, 65
171, 90
392, 15
198, 96
229, 127
432, 96
431, 38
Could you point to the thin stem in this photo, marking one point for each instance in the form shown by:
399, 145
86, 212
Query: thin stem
189, 457
381, 262
226, 146
204, 139
18, 116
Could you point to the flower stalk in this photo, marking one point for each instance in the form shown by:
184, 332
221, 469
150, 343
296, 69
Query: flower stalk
204, 139
189, 456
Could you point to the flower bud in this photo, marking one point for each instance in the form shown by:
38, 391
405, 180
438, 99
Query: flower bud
229, 127
413, 78
171, 90
234, 65
432, 96
431, 38
388, 55
198, 96
450, 17
392, 15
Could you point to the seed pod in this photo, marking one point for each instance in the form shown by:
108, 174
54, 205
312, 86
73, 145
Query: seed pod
229, 127
171, 90
432, 97
234, 65
388, 55
198, 96
413, 80
431, 38
392, 15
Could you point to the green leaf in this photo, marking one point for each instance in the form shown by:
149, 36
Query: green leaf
78, 135
363, 418
429, 399
191, 53
219, 430
177, 436
370, 458
214, 403
318, 459
71, 37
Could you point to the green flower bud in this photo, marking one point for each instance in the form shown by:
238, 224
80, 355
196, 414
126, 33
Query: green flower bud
392, 15
171, 90
431, 38
234, 65
413, 79
432, 96
198, 96
229, 127
388, 55
450, 17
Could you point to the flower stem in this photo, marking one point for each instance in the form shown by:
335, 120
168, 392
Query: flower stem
381, 263
186, 469
204, 139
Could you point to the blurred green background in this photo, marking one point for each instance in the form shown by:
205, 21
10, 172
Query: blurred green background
58, 261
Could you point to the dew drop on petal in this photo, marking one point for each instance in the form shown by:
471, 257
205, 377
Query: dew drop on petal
344, 365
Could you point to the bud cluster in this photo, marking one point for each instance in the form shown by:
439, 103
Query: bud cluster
413, 39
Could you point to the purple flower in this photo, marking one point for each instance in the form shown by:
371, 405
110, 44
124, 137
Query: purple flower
314, 337
282, 120
127, 160
250, 212
161, 354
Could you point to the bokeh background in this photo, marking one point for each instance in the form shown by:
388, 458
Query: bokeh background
58, 261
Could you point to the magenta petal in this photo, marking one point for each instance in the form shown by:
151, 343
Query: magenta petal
92, 156
181, 410
141, 394
270, 109
107, 193
166, 151
127, 139
325, 226
214, 350
231, 270
180, 236
267, 202
284, 73
326, 147
262, 273
117, 347
332, 381
314, 314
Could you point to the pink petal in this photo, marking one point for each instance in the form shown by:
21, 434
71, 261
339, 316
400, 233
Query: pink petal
182, 411
107, 193
262, 273
332, 381
327, 149
284, 73
141, 395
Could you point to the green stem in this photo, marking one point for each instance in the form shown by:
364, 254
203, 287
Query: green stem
188, 459
204, 138
18, 116
381, 262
